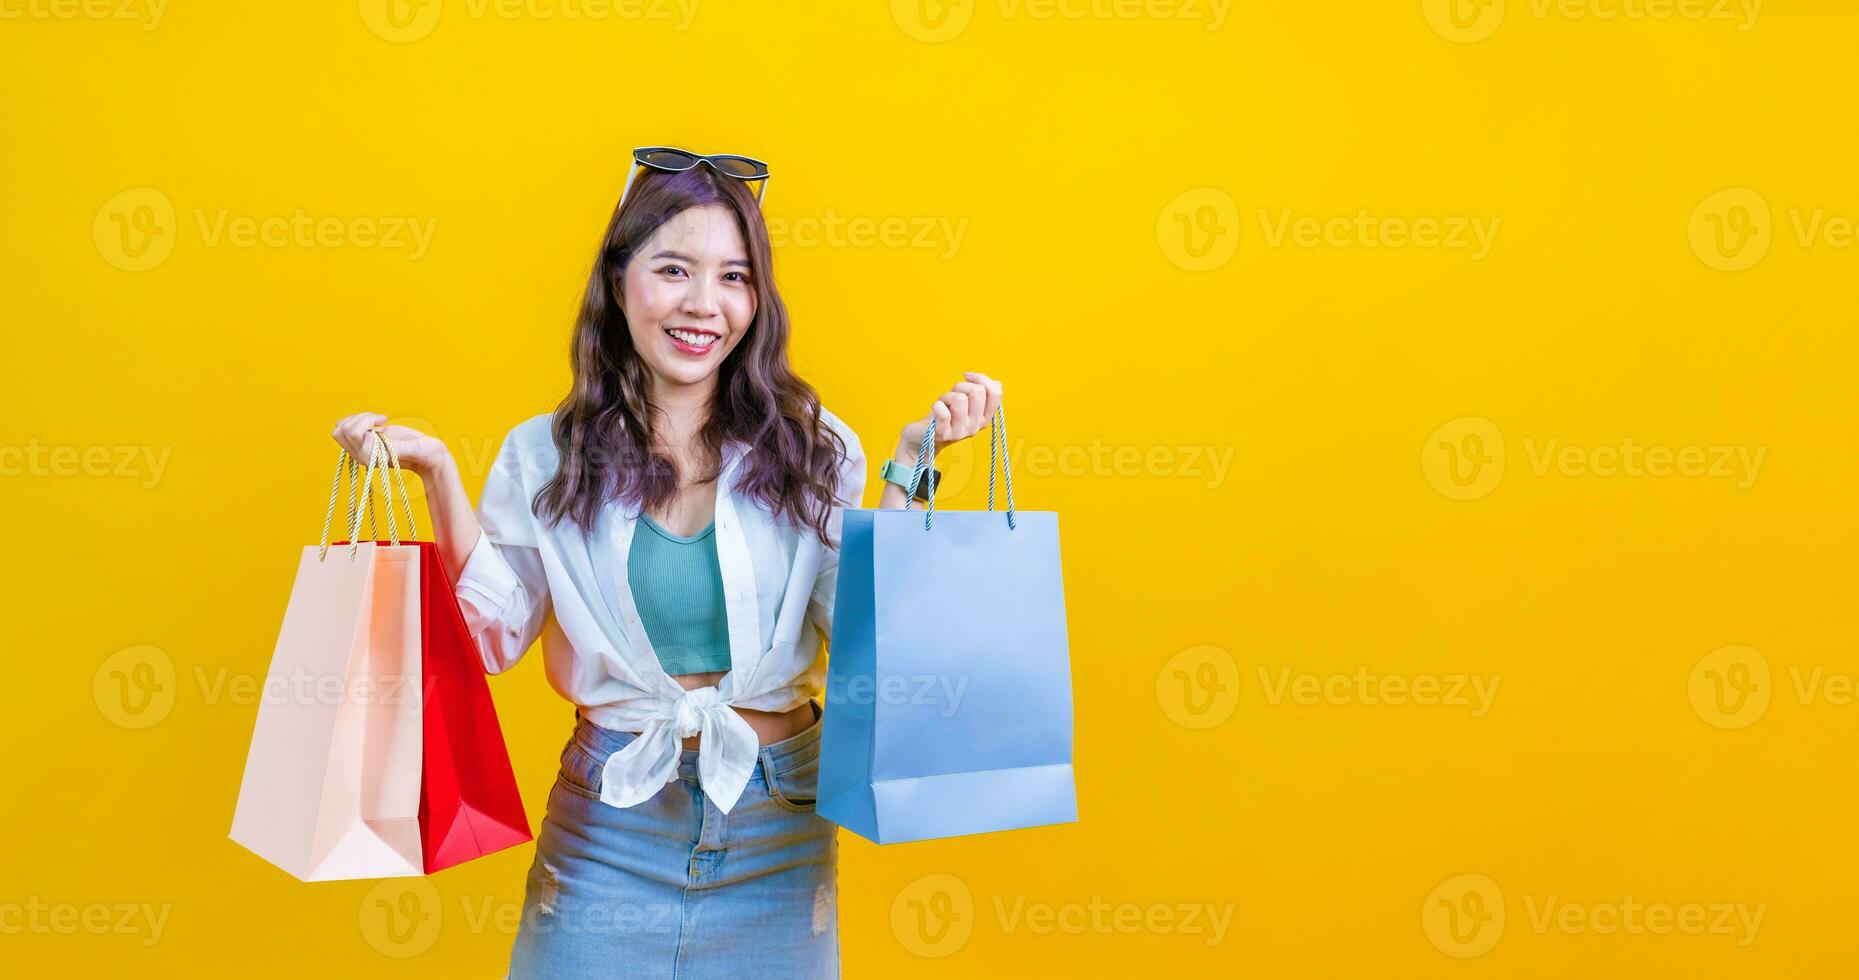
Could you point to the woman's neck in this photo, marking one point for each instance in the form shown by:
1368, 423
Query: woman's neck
685, 409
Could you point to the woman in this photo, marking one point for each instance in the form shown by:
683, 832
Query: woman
670, 533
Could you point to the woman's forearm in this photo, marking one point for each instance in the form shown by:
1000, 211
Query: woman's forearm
454, 524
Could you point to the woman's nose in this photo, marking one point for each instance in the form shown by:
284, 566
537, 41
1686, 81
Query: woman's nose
701, 298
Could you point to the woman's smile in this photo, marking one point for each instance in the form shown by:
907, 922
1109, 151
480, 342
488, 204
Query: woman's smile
694, 341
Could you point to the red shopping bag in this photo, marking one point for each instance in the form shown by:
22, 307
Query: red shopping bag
469, 804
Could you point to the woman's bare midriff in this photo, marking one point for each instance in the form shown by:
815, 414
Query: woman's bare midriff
694, 504
770, 726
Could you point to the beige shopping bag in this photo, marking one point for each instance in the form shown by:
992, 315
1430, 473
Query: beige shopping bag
332, 779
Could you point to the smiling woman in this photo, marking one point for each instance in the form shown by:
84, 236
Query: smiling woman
678, 514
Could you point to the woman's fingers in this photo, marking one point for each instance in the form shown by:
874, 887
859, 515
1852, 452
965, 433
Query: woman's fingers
993, 389
939, 412
354, 433
994, 393
967, 408
977, 407
957, 406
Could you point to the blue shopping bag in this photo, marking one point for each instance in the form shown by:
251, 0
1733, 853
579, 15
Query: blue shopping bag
948, 687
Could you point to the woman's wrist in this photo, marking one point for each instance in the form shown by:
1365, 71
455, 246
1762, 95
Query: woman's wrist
907, 447
440, 465
906, 454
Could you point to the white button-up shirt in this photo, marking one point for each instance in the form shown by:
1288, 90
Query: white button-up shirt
778, 585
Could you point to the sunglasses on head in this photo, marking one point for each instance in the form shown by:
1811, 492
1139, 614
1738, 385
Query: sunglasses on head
670, 159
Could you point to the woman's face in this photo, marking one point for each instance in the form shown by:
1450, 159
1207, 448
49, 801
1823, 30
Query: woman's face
688, 296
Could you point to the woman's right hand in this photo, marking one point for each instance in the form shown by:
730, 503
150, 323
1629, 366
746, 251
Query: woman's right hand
419, 452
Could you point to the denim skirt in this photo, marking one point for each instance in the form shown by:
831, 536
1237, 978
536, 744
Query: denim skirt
675, 888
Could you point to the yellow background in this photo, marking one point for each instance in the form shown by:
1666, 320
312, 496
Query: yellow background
1117, 177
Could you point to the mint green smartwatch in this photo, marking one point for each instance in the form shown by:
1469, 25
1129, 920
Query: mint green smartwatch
895, 472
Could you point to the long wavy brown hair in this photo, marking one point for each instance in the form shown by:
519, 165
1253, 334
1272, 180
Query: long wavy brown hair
791, 463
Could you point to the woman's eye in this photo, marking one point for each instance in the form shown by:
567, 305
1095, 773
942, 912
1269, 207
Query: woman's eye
731, 276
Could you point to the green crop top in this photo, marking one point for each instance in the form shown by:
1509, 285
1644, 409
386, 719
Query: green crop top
677, 584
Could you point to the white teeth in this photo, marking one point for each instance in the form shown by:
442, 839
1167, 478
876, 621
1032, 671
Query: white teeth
694, 339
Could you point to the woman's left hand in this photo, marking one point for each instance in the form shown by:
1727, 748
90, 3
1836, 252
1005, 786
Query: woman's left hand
965, 410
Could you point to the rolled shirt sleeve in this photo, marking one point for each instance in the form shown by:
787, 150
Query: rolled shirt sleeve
851, 494
503, 590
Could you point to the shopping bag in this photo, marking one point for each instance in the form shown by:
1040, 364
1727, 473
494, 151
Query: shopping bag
470, 806
332, 777
453, 790
948, 700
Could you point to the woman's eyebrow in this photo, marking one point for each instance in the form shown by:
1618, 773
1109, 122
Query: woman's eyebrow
685, 258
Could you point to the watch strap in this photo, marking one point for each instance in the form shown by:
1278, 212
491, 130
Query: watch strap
895, 472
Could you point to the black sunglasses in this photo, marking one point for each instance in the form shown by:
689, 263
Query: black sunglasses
670, 159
